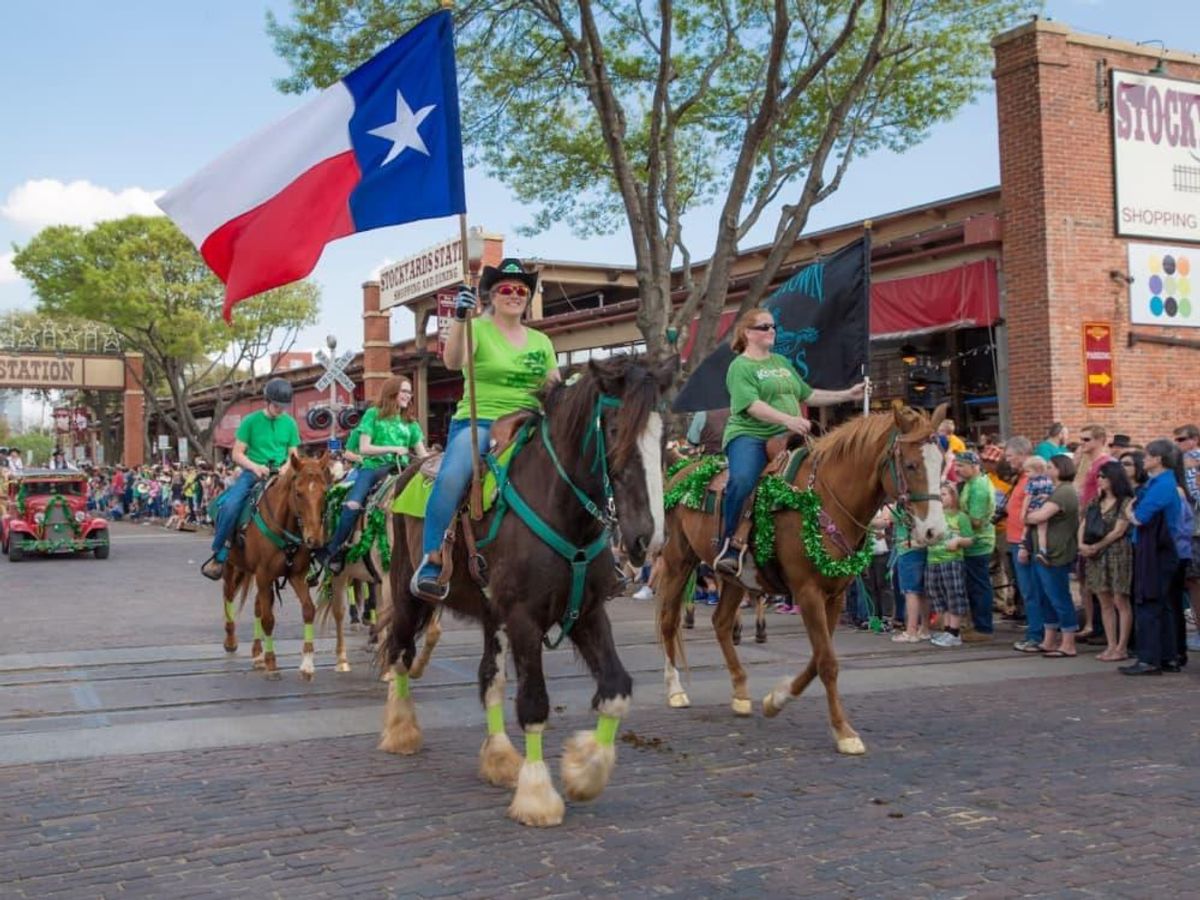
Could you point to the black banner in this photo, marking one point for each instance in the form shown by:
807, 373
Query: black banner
823, 318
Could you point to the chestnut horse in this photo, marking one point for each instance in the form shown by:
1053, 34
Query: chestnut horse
591, 462
853, 469
287, 527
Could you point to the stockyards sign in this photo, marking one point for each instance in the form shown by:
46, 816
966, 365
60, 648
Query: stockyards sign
32, 370
1156, 156
422, 274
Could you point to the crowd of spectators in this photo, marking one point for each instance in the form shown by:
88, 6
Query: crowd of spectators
1091, 541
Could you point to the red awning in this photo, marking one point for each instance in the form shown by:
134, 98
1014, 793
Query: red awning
964, 297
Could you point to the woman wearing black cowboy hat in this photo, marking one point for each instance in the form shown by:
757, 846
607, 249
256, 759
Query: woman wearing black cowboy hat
512, 362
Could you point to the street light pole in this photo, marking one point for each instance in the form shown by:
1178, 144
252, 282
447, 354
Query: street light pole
331, 343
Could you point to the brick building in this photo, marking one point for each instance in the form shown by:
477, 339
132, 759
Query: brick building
1064, 262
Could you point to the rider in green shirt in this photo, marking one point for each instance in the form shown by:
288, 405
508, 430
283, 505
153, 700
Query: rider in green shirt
512, 362
386, 438
261, 445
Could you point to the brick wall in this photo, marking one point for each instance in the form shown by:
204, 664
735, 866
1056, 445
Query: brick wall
1056, 178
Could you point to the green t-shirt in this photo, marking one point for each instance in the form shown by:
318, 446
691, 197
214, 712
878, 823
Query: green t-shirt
268, 440
393, 432
978, 500
353, 439
958, 524
1062, 531
506, 377
772, 380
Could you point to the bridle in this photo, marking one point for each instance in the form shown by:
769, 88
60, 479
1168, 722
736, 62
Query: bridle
903, 499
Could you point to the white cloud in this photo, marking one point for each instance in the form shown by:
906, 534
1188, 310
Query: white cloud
46, 201
8, 275
374, 276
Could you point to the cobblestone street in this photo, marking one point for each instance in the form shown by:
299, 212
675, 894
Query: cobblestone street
987, 774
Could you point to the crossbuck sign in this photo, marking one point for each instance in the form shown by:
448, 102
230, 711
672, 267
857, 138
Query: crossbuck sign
335, 370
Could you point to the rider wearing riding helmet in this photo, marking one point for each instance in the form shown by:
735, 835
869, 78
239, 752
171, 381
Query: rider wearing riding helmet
261, 445
387, 435
512, 362
765, 397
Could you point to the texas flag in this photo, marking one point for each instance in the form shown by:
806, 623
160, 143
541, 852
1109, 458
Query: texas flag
380, 147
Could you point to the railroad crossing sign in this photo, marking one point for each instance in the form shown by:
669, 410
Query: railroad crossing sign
335, 370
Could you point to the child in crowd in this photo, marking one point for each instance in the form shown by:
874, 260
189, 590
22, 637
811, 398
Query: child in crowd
945, 577
1038, 489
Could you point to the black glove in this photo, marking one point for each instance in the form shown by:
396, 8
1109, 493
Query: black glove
465, 303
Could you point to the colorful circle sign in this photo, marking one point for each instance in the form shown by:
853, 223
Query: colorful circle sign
1163, 288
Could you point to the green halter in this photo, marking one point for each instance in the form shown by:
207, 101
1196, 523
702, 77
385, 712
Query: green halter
580, 558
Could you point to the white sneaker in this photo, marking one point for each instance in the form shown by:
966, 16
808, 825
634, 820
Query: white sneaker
946, 639
645, 592
903, 637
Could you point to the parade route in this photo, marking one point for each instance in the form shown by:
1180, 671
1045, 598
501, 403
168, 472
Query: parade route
138, 759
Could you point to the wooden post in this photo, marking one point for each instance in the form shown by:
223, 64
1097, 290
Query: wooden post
476, 501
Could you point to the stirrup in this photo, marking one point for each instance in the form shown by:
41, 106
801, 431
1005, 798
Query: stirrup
725, 564
208, 571
428, 588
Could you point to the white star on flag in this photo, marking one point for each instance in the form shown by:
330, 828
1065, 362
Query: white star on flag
403, 131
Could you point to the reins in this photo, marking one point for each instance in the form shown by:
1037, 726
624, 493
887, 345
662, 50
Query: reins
284, 540
579, 557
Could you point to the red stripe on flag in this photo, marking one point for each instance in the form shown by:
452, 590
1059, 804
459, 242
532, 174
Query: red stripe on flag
280, 241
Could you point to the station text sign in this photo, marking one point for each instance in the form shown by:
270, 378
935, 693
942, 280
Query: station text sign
32, 370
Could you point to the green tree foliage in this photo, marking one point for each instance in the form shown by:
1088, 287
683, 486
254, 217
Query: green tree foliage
35, 446
633, 113
141, 276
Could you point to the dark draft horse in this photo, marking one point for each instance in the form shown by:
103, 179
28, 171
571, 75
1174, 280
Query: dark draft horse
593, 464
854, 469
292, 509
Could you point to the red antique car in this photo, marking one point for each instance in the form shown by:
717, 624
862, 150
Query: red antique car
45, 511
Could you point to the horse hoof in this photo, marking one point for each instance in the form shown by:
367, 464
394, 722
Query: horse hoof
401, 731
760, 635
342, 666
273, 675
231, 647
679, 700
536, 802
258, 663
851, 746
306, 676
770, 710
499, 761
586, 766
741, 707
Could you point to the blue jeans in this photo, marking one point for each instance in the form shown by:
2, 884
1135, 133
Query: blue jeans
979, 591
1054, 583
231, 507
359, 488
747, 458
1031, 593
452, 480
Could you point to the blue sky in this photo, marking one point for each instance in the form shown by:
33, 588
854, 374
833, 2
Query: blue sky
108, 103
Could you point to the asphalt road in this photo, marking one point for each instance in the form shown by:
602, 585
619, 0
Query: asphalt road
137, 758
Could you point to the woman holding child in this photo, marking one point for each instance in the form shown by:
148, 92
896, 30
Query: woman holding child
1055, 554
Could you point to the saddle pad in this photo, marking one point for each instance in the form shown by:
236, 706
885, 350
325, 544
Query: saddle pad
415, 496
247, 511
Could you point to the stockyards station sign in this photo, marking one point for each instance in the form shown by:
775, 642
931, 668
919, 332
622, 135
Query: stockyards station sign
1156, 156
32, 370
421, 274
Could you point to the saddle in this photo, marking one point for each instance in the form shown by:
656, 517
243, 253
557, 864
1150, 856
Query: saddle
503, 434
778, 456
246, 513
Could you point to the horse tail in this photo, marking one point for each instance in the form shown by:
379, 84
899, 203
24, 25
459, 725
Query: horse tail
243, 584
329, 601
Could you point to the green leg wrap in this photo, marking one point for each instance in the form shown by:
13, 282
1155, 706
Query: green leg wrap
606, 729
230, 610
495, 719
374, 617
268, 644
308, 632
258, 629
400, 685
533, 746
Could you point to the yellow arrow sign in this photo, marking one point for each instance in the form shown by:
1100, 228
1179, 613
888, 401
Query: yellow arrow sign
1097, 334
1103, 379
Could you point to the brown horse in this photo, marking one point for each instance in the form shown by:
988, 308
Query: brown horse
853, 469
290, 511
592, 462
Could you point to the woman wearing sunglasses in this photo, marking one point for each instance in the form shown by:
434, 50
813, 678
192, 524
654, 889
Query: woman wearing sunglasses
765, 397
512, 362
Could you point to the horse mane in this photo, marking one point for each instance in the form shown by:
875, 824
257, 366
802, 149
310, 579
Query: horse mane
854, 439
572, 403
